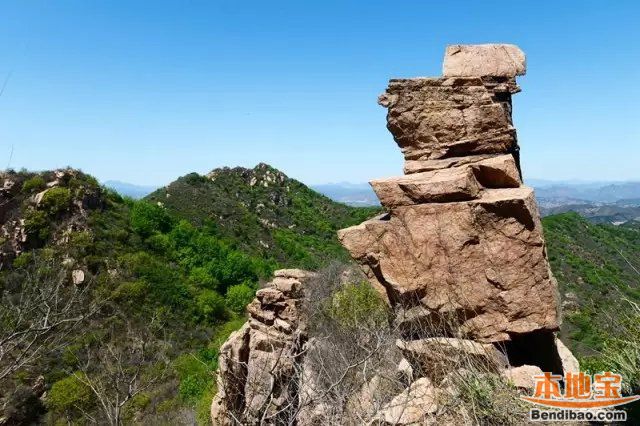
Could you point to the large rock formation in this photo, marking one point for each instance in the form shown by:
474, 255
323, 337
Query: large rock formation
259, 364
462, 235
459, 257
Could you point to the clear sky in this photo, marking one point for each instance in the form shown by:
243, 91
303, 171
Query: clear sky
147, 91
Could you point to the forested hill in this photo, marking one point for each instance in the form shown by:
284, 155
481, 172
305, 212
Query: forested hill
264, 212
149, 289
116, 308
598, 270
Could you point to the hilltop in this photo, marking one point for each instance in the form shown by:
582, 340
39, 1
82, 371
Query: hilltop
264, 212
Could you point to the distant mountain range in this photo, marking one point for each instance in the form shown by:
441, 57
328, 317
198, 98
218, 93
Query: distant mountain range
602, 202
354, 194
130, 189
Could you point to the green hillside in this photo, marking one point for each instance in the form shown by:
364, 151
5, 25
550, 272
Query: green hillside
598, 269
264, 212
97, 289
158, 293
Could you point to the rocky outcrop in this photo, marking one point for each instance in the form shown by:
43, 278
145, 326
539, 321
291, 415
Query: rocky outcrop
500, 60
459, 257
259, 364
462, 235
44, 208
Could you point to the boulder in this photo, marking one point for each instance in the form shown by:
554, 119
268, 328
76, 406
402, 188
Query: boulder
436, 356
439, 118
477, 60
568, 361
523, 377
411, 407
484, 259
455, 184
77, 276
259, 367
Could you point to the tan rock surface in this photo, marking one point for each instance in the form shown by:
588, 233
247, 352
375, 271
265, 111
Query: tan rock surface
257, 373
455, 184
438, 118
436, 356
483, 257
411, 407
523, 377
501, 60
567, 359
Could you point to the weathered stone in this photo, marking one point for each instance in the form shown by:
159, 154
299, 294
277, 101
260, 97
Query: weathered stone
299, 274
411, 407
77, 276
523, 377
460, 252
438, 118
497, 172
456, 184
269, 296
405, 371
418, 166
231, 378
436, 356
568, 361
258, 365
485, 258
477, 60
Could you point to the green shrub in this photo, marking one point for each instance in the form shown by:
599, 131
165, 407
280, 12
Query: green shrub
210, 305
238, 297
135, 406
160, 243
200, 277
191, 387
33, 184
357, 304
69, 395
37, 225
147, 218
56, 200
203, 407
131, 291
23, 260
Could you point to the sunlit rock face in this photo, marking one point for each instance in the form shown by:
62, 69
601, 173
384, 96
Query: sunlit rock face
462, 235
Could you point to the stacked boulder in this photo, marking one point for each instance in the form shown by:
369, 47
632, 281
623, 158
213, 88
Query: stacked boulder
259, 364
462, 237
459, 256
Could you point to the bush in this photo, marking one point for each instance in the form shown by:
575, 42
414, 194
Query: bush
68, 395
201, 278
37, 225
160, 243
147, 218
33, 184
238, 297
356, 304
23, 260
131, 291
56, 200
211, 305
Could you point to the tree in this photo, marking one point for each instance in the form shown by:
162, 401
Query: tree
40, 307
130, 362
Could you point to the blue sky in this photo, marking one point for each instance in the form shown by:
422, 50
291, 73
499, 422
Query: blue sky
147, 91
